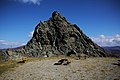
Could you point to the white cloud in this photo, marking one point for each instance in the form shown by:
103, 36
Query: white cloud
30, 1
30, 34
102, 36
103, 40
8, 44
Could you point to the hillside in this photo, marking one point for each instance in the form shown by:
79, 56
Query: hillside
112, 51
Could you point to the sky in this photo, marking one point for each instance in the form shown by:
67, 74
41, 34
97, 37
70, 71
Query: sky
98, 19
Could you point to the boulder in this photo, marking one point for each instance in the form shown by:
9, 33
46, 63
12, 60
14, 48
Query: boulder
62, 62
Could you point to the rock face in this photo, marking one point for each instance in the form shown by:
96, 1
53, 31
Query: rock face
57, 36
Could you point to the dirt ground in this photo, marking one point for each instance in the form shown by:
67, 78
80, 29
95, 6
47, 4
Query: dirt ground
86, 69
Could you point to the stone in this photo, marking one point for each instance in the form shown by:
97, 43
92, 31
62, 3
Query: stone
62, 62
22, 61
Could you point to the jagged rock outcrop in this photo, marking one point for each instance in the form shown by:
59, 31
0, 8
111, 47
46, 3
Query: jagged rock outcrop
57, 36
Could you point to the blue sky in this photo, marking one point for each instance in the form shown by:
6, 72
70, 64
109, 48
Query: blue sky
99, 19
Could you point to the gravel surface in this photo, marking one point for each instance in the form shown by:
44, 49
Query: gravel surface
88, 69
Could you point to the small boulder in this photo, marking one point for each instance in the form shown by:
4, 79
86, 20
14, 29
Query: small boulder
22, 61
62, 62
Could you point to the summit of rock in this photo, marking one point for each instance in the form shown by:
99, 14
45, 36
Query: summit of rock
57, 16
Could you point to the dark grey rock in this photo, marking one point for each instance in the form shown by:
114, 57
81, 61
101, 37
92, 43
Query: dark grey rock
62, 62
57, 36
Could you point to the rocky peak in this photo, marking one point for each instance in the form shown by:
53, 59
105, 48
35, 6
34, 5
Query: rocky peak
56, 16
57, 36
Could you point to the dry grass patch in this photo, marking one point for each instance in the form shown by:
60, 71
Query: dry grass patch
9, 65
